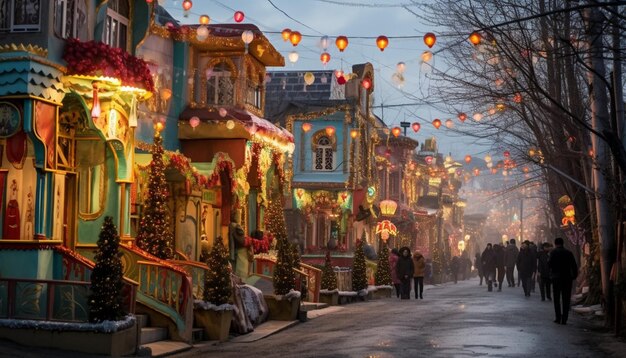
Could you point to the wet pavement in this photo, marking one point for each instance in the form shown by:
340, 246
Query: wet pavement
462, 320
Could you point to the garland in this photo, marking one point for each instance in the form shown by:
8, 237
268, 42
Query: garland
93, 58
260, 246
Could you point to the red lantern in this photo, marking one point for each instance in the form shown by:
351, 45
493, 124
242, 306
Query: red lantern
475, 38
341, 80
295, 38
430, 39
239, 16
330, 130
429, 160
285, 34
149, 1
341, 42
382, 42
306, 126
416, 127
437, 123
462, 117
187, 4
395, 131
517, 98
468, 159
507, 154
366, 83
325, 58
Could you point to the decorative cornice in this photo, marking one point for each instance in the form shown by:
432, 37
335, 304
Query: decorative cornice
33, 49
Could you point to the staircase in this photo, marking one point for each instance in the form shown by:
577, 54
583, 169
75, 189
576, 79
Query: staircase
154, 341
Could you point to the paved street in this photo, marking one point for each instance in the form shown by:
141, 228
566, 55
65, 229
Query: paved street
460, 320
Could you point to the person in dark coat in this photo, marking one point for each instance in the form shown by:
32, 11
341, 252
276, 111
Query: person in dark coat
405, 269
478, 264
544, 271
563, 270
510, 259
499, 252
488, 259
526, 266
533, 278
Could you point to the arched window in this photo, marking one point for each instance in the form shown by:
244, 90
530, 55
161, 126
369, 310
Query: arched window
220, 87
116, 25
324, 154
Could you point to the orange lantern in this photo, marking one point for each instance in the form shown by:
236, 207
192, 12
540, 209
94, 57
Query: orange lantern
462, 117
295, 38
341, 42
187, 4
416, 127
354, 133
382, 42
239, 16
159, 126
430, 39
395, 131
449, 123
330, 130
517, 98
205, 19
468, 159
306, 126
476, 171
437, 123
325, 58
366, 83
285, 34
475, 38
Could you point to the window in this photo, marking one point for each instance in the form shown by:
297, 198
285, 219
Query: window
253, 94
116, 24
70, 18
219, 85
20, 15
91, 168
324, 154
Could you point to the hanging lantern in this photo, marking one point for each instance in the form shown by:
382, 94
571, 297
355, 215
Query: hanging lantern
488, 158
506, 154
462, 117
427, 56
517, 98
342, 80
295, 38
468, 159
247, 37
285, 34
165, 93
194, 122
366, 83
306, 126
388, 207
386, 228
325, 58
400, 67
354, 133
382, 42
475, 38
159, 127
330, 130
437, 123
309, 78
476, 172
187, 4
430, 39
204, 19
239, 16
449, 123
428, 160
293, 56
324, 43
395, 131
477, 116
95, 108
341, 42
416, 127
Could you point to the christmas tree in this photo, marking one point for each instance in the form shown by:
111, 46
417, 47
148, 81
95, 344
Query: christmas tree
383, 271
105, 301
329, 278
217, 280
359, 273
274, 216
154, 234
284, 276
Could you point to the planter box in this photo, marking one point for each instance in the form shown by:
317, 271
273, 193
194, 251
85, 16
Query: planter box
216, 324
283, 310
381, 292
114, 344
332, 299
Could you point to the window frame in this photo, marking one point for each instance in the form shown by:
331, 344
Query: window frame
76, 30
325, 150
9, 18
114, 16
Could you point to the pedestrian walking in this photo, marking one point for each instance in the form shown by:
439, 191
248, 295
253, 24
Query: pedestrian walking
510, 260
419, 269
478, 264
544, 271
534, 251
454, 268
563, 270
499, 252
393, 262
405, 270
526, 265
488, 259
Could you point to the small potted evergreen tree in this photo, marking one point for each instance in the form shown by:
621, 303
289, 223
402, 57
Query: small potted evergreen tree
382, 277
329, 293
214, 313
359, 269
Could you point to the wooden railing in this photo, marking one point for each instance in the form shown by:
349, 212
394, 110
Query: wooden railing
197, 271
309, 275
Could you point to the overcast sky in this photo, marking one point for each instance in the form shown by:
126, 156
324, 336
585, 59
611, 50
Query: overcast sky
350, 18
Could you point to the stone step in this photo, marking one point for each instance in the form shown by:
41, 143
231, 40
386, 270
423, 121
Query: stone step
153, 334
142, 320
310, 306
166, 348
197, 335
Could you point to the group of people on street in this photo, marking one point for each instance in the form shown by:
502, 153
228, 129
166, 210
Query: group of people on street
553, 268
407, 268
